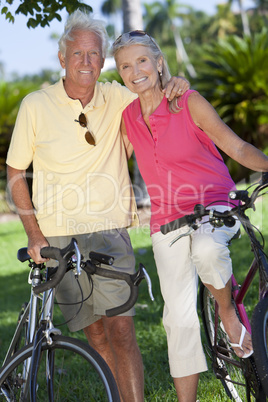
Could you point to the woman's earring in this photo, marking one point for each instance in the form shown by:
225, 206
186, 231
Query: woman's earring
160, 73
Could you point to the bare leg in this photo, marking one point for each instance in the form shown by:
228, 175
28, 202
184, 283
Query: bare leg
229, 318
186, 387
114, 338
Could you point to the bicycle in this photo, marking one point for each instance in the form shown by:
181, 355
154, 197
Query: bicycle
71, 370
243, 379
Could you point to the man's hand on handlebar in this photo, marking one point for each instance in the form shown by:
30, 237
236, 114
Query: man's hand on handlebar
35, 243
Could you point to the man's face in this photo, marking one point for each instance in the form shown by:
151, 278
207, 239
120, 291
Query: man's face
83, 60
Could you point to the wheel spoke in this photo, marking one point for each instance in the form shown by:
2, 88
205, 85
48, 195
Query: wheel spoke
80, 374
238, 376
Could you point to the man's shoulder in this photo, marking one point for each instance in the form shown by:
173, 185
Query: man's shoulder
114, 86
46, 90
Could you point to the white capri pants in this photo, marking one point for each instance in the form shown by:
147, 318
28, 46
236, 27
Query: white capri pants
204, 253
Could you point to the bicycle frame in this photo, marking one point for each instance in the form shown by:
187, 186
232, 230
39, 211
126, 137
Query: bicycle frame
259, 263
16, 335
30, 315
240, 377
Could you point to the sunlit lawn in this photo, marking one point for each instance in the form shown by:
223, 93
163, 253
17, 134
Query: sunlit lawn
14, 290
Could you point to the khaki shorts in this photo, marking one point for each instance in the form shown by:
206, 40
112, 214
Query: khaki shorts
105, 293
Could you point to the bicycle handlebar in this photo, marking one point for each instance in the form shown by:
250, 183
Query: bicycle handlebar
227, 217
91, 267
133, 282
62, 256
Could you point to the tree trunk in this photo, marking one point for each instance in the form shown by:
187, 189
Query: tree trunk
132, 17
183, 56
244, 17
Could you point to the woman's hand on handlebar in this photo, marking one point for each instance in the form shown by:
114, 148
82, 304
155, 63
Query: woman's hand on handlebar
35, 243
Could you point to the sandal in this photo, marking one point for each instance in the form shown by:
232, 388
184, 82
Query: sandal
238, 345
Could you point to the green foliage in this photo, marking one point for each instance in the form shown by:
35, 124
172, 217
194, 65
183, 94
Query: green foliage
109, 76
111, 7
42, 12
151, 336
233, 77
163, 21
11, 95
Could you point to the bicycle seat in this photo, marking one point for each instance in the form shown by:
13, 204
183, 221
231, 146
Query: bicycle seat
23, 255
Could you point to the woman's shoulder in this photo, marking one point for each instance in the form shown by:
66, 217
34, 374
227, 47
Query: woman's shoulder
133, 107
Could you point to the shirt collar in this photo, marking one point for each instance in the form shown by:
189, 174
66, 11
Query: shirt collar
161, 110
96, 101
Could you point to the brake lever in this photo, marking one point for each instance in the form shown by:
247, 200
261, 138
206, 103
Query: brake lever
139, 276
190, 231
78, 269
149, 282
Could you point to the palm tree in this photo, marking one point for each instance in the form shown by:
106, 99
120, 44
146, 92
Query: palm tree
132, 15
234, 80
113, 9
262, 5
164, 19
259, 14
132, 20
129, 9
223, 22
244, 16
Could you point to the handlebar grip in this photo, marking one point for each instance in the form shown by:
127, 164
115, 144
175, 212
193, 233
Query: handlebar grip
101, 258
131, 280
55, 254
173, 225
62, 256
264, 178
241, 195
134, 290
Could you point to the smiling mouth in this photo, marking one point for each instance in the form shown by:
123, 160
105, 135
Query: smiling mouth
140, 80
85, 72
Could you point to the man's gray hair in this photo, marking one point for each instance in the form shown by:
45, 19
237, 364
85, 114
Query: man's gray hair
82, 21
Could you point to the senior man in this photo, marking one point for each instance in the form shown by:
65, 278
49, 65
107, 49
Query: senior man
81, 188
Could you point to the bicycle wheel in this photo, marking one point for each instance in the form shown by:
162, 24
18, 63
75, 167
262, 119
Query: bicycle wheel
238, 376
260, 340
80, 374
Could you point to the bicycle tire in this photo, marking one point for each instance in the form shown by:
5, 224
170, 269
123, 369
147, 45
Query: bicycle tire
238, 376
260, 340
80, 374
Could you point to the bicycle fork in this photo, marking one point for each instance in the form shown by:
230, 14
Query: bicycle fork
46, 331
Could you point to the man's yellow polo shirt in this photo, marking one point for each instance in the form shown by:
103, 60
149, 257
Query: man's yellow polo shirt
77, 188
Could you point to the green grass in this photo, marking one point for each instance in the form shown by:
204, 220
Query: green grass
148, 321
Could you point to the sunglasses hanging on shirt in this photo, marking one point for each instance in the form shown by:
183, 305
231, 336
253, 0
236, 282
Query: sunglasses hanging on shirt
82, 120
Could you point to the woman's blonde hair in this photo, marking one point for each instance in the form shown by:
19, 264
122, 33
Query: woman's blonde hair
142, 38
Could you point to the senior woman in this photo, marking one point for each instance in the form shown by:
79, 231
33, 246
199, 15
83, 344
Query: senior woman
181, 166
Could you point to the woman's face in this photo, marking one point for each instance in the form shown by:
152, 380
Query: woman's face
138, 69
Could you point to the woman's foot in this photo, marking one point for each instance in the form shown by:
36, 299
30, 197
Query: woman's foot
239, 338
